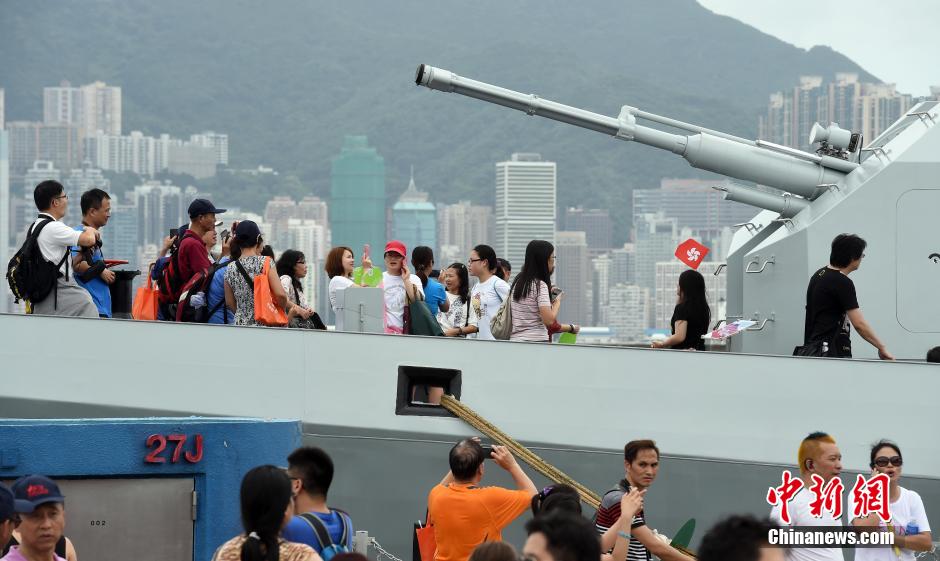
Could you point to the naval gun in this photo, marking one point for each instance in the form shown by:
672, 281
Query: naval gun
889, 195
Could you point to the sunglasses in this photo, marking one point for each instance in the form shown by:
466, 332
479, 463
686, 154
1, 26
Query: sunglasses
883, 461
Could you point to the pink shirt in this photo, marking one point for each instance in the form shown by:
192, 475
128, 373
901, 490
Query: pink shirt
15, 555
527, 322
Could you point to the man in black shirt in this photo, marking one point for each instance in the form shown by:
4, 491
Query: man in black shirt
831, 303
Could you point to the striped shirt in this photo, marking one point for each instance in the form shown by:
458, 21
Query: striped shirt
608, 514
527, 324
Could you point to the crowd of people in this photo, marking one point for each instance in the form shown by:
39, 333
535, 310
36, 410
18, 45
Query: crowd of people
62, 271
286, 516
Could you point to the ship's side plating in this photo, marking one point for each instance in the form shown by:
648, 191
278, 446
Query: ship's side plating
727, 423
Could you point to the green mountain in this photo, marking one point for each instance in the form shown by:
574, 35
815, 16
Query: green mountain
287, 79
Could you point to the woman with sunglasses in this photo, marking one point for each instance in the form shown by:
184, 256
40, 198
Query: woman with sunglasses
908, 517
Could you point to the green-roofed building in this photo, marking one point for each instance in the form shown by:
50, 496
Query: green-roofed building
414, 219
357, 206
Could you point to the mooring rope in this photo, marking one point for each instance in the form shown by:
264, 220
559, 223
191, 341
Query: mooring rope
473, 419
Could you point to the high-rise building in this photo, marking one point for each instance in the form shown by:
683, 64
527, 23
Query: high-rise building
78, 181
667, 279
357, 196
5, 210
857, 106
595, 223
656, 240
600, 289
623, 265
190, 159
62, 104
160, 208
525, 205
277, 212
414, 218
879, 106
121, 237
31, 141
2, 110
217, 141
629, 311
460, 227
314, 208
309, 237
694, 204
573, 275
42, 170
101, 109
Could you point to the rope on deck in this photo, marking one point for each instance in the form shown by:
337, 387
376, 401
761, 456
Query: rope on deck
473, 419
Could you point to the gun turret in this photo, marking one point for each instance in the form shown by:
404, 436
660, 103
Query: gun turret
787, 169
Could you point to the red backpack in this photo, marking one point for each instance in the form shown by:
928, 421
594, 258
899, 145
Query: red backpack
200, 282
170, 283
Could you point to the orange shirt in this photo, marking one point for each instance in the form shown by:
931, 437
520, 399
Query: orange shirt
464, 516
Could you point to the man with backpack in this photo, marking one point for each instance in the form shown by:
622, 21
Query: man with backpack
189, 257
39, 272
327, 530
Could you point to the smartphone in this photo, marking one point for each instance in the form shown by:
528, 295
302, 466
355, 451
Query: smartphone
225, 235
488, 452
366, 250
174, 232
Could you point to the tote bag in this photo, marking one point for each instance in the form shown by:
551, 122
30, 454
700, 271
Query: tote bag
266, 311
146, 300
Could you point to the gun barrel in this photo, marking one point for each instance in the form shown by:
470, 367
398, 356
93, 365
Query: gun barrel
708, 150
787, 205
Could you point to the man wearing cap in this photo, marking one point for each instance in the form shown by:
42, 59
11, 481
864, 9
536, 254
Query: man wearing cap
9, 509
42, 519
401, 287
193, 257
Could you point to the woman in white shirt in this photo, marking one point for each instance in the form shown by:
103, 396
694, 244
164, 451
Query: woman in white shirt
401, 287
908, 517
459, 320
488, 294
340, 263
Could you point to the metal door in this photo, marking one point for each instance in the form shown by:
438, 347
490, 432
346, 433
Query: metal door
140, 519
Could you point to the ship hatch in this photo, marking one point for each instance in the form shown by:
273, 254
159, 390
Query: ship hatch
416, 383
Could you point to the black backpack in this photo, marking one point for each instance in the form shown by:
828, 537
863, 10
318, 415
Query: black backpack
31, 277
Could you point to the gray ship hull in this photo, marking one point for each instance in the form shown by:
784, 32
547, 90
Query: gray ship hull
727, 423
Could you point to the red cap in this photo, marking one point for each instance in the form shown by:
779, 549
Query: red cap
397, 247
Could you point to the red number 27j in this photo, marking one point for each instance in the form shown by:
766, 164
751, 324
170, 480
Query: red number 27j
157, 444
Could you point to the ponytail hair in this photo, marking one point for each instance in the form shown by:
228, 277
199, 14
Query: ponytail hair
265, 495
422, 257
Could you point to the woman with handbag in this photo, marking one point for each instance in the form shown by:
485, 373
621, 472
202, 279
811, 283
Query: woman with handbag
239, 276
489, 294
532, 309
400, 286
291, 267
460, 319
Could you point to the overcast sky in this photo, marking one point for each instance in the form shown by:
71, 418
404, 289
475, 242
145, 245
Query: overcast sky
897, 41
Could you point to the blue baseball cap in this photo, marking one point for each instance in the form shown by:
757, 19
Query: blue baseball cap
34, 490
9, 505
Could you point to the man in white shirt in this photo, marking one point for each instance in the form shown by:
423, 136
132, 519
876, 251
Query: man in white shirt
818, 455
55, 240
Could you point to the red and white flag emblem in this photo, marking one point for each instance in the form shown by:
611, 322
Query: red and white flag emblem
691, 253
